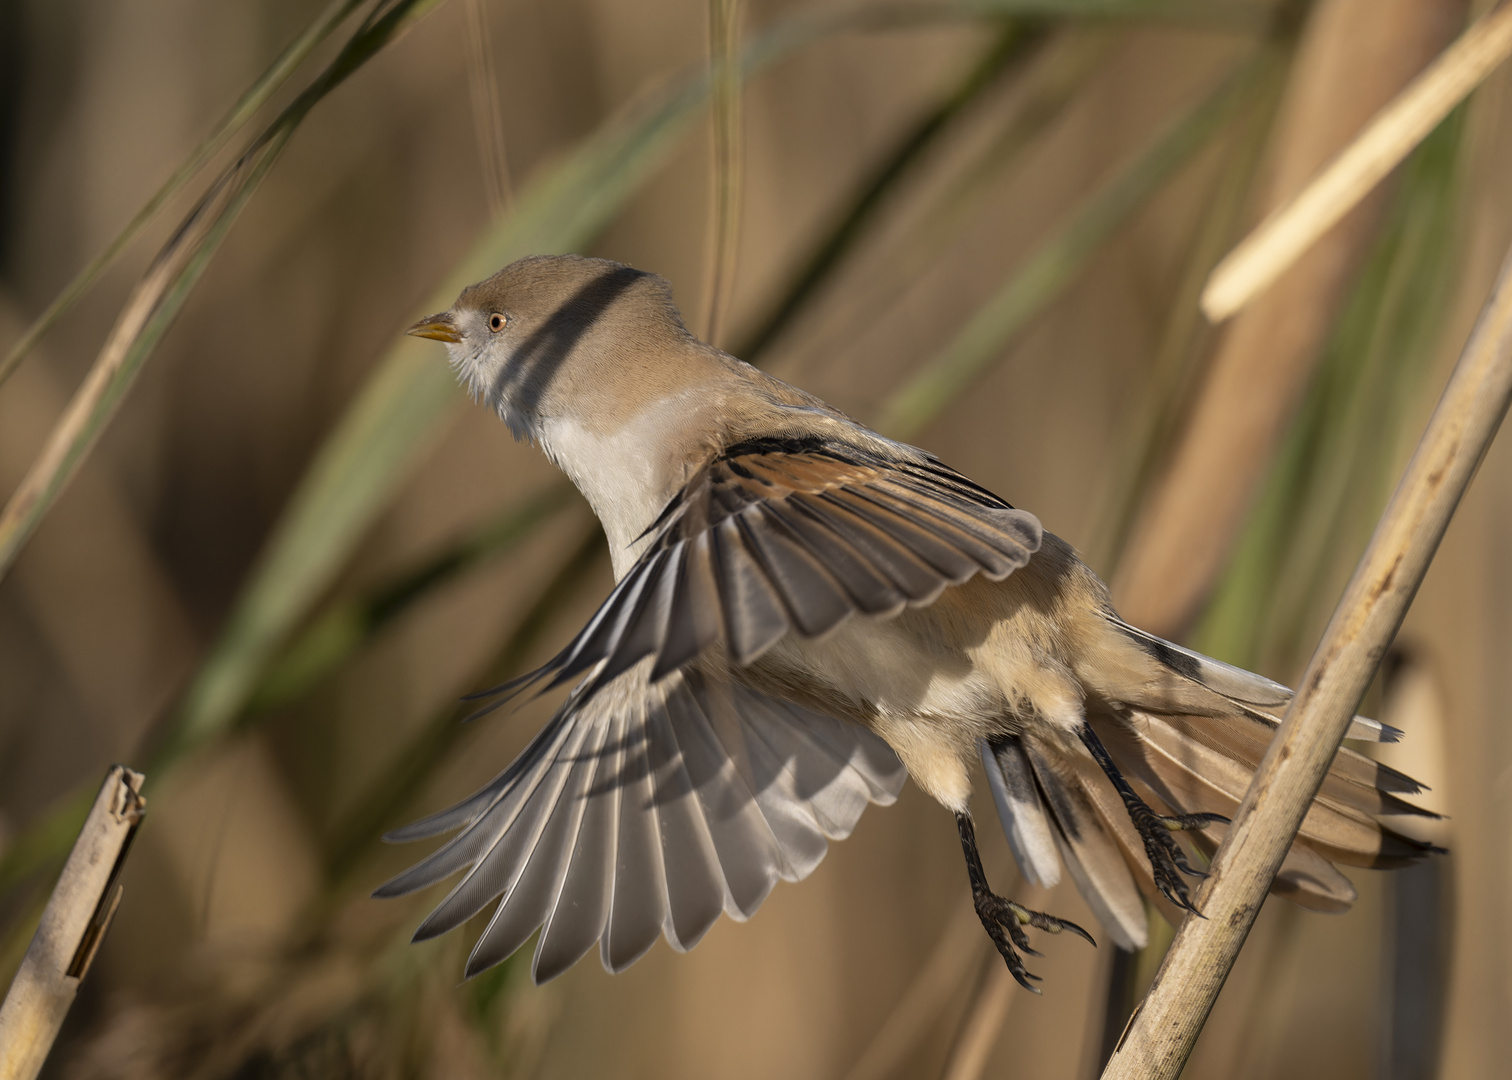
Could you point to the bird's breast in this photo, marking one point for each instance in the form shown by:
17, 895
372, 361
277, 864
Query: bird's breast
626, 469
886, 667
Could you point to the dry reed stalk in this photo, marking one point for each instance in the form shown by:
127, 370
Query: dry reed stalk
1165, 1027
256, 96
72, 927
1356, 55
160, 293
116, 367
1289, 230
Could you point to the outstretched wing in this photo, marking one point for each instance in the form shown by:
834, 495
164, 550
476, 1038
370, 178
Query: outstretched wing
647, 809
779, 535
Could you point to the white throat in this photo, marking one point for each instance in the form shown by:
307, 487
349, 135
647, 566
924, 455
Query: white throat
628, 474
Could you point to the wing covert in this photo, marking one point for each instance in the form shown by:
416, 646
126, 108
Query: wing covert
790, 535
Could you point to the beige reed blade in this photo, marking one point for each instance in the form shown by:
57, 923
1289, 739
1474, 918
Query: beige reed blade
1289, 230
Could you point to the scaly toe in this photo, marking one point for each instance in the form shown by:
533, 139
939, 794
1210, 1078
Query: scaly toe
1187, 822
1048, 923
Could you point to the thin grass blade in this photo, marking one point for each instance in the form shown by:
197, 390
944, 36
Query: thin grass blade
245, 108
161, 292
1015, 44
726, 166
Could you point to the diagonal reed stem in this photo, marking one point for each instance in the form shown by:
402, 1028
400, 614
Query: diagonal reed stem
245, 108
162, 290
1165, 1027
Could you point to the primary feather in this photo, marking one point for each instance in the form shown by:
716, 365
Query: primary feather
648, 809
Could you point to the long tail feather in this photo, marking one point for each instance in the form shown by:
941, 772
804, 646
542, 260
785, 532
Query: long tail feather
1187, 732
1092, 853
1021, 809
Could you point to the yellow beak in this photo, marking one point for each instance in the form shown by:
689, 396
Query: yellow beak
437, 328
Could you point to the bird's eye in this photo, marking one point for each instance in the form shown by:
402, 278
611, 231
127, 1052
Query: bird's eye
496, 322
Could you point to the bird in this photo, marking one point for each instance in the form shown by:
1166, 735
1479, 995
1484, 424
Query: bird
806, 614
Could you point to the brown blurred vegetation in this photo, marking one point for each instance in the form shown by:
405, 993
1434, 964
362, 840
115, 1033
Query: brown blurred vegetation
1032, 193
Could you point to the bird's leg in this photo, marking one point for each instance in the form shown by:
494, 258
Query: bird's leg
1003, 919
1167, 861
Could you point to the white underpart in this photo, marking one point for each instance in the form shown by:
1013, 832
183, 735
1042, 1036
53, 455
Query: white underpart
624, 474
921, 697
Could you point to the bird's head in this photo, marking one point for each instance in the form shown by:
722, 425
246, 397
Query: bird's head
549, 333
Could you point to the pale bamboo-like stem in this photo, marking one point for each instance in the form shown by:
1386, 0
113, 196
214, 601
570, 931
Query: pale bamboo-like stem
1266, 253
72, 927
1165, 1027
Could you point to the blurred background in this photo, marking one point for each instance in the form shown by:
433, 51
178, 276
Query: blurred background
980, 225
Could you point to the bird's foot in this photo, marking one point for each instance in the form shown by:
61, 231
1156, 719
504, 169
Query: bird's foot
1167, 859
1004, 921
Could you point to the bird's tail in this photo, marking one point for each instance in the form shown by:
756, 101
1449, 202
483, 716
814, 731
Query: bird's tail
1187, 732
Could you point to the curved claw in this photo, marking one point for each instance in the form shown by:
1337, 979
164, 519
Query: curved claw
1172, 888
1185, 822
1021, 974
1179, 858
1022, 977
1066, 924
1049, 923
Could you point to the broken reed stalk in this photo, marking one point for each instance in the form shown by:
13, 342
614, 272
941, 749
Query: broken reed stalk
1278, 241
72, 927
1165, 1027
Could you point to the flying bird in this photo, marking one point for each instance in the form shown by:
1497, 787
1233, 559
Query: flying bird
805, 614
